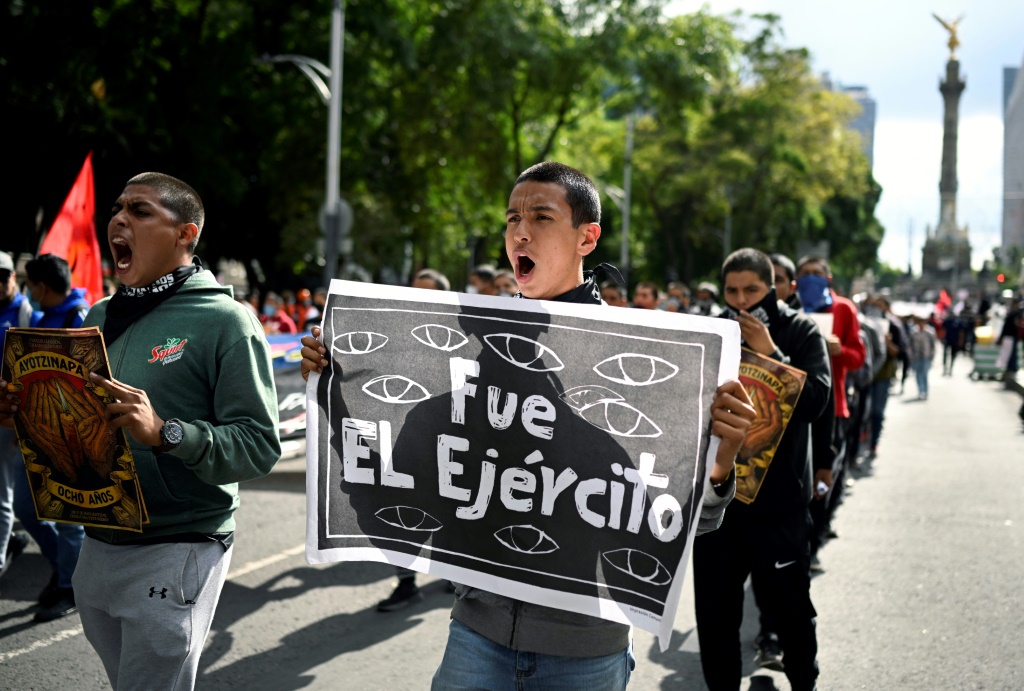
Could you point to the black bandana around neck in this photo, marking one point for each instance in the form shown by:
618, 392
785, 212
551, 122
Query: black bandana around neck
589, 292
767, 310
128, 304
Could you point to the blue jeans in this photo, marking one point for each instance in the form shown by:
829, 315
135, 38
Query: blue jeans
472, 661
10, 465
60, 543
879, 399
921, 367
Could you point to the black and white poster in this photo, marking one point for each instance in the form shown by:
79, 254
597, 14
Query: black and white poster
551, 452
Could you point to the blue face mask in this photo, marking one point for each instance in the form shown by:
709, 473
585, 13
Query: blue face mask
36, 307
269, 310
814, 292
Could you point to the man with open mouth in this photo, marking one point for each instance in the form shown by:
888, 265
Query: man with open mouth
552, 224
191, 373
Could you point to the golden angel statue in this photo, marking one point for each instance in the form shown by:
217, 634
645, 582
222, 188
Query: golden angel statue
951, 26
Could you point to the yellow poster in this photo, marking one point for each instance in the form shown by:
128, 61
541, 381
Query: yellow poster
79, 469
774, 388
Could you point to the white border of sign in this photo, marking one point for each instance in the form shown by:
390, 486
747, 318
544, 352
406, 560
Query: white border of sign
728, 370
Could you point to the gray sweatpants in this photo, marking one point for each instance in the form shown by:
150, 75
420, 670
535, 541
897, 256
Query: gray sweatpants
147, 609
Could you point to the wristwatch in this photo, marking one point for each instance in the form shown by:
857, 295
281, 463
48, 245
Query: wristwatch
171, 435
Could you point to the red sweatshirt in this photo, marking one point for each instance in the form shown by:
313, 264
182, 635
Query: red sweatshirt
846, 326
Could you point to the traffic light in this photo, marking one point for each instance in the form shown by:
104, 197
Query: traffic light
1000, 278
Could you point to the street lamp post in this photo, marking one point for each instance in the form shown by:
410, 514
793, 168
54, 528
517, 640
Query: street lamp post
336, 219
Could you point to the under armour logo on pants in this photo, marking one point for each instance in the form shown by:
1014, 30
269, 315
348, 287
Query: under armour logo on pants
161, 593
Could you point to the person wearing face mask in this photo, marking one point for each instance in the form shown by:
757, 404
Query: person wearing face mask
705, 300
768, 539
848, 352
48, 279
274, 318
505, 282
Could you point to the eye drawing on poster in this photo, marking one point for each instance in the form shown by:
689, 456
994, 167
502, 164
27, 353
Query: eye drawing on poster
359, 342
409, 518
526, 539
639, 565
523, 352
633, 369
394, 388
440, 337
608, 411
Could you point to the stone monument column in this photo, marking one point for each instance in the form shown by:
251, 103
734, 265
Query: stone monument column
951, 88
946, 258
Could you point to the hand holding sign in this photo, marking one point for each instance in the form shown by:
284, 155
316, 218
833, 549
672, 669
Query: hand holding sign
133, 411
767, 427
313, 352
731, 415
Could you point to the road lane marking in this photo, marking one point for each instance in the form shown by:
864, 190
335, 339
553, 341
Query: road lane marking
71, 633
267, 561
46, 642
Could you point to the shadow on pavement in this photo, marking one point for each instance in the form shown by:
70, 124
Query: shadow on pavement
285, 667
684, 665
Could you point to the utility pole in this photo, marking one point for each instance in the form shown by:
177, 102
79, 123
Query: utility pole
627, 184
338, 215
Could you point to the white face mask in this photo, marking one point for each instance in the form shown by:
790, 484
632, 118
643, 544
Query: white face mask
471, 289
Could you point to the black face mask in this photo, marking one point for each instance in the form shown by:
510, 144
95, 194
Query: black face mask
767, 310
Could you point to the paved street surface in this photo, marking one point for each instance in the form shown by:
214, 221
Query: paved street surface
922, 590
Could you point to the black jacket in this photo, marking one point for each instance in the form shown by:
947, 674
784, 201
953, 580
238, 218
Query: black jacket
788, 485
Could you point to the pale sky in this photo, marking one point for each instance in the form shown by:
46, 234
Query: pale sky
898, 51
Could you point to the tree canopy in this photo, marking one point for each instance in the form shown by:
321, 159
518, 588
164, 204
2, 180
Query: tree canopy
444, 103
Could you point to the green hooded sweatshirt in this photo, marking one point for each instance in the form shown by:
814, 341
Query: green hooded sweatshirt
202, 359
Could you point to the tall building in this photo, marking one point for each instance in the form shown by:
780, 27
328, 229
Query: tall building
864, 123
1013, 160
1009, 77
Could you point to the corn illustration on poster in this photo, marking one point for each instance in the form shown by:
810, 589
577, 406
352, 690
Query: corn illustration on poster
79, 469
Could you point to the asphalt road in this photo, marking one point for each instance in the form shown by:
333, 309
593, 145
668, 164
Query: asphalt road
922, 590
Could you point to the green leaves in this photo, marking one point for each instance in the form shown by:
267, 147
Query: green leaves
444, 103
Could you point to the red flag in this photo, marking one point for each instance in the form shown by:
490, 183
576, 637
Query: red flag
73, 235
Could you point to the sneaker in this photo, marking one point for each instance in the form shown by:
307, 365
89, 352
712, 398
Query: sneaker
405, 593
769, 652
62, 606
15, 546
50, 594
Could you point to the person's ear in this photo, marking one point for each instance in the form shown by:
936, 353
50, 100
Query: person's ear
588, 240
187, 233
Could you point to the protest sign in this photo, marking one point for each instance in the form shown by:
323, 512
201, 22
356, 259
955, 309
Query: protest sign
823, 320
79, 470
774, 389
551, 452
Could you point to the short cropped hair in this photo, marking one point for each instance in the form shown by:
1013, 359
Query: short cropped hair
749, 259
580, 193
814, 259
649, 285
486, 272
177, 197
685, 289
785, 262
439, 279
50, 270
612, 285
